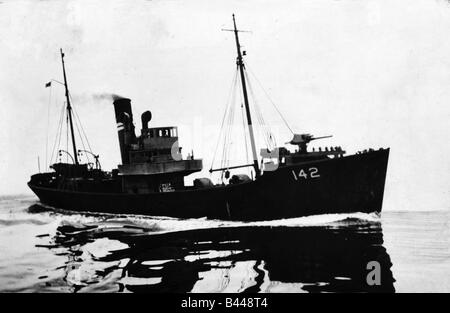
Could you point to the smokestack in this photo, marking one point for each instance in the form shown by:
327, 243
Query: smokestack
145, 118
125, 127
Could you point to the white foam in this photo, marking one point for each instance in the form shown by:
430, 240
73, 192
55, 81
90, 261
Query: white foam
160, 224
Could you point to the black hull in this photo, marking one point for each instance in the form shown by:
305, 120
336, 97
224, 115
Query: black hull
342, 185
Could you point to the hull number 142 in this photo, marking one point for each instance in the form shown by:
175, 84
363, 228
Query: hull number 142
312, 172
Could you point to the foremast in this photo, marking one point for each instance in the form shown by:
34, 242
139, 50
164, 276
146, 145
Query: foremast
240, 64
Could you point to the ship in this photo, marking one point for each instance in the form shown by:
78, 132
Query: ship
151, 178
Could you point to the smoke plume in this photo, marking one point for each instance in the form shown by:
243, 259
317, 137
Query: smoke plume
107, 96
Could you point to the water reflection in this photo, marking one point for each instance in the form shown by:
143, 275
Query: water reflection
225, 259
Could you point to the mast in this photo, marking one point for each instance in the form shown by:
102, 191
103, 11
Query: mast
240, 63
69, 111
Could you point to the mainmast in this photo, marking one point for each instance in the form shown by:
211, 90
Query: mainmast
240, 63
69, 111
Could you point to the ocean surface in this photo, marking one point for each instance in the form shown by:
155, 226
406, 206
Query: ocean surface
43, 250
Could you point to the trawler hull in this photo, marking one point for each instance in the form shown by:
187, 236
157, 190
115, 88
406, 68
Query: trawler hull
348, 184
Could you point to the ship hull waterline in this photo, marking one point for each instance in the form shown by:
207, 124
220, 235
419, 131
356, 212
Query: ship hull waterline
348, 184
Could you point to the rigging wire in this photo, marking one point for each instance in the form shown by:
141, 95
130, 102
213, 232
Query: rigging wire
48, 126
81, 125
77, 123
245, 134
228, 119
227, 144
78, 126
58, 134
61, 130
265, 130
232, 87
81, 139
271, 101
261, 129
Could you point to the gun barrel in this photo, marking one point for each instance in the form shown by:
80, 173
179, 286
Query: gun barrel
322, 137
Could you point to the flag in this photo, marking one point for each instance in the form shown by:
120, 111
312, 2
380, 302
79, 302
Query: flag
48, 84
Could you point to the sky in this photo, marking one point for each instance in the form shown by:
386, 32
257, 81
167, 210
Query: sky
373, 73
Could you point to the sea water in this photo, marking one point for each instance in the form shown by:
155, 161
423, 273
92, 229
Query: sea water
47, 250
